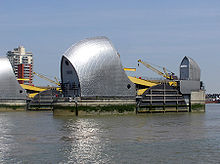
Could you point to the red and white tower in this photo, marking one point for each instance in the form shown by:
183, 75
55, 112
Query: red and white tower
22, 63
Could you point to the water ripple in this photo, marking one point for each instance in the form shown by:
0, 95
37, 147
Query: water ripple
38, 137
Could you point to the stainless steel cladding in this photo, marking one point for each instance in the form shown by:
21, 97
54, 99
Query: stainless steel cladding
189, 69
92, 68
10, 89
187, 86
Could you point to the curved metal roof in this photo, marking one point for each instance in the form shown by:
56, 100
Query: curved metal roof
193, 63
97, 68
189, 69
10, 89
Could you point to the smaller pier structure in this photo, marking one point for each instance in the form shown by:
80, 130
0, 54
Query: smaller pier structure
186, 94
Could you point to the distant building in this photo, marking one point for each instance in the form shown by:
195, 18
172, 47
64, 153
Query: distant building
22, 63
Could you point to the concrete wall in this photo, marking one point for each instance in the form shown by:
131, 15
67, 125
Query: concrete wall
198, 97
12, 105
198, 101
88, 107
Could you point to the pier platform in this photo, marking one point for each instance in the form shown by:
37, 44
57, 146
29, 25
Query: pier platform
90, 107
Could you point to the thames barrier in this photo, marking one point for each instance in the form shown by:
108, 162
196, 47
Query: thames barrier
93, 81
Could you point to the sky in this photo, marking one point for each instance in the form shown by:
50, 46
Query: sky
160, 32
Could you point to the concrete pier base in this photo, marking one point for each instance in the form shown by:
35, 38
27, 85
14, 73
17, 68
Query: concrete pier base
198, 101
12, 105
94, 107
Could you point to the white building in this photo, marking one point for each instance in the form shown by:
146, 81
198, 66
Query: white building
22, 63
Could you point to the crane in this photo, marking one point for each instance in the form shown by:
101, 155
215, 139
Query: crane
165, 71
165, 74
21, 79
129, 69
44, 77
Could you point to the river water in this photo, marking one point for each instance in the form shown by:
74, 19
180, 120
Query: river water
39, 137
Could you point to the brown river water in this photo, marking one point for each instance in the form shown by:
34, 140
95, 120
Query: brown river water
40, 137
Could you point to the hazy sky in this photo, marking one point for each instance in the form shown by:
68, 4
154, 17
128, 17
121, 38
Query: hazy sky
161, 32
